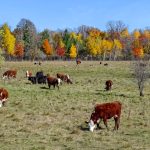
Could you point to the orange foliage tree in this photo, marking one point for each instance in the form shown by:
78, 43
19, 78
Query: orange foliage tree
47, 48
19, 50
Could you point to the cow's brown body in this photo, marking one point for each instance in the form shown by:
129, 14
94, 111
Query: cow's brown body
10, 74
3, 96
106, 111
53, 81
64, 77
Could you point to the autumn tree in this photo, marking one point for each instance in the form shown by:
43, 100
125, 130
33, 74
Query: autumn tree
93, 42
19, 50
47, 48
60, 49
8, 40
73, 51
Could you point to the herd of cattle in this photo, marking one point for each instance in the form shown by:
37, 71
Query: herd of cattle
103, 111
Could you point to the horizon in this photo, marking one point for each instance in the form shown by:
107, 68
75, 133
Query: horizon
67, 14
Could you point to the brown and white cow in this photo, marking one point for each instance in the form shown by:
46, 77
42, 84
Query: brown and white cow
108, 84
28, 73
53, 81
64, 77
3, 96
105, 111
10, 74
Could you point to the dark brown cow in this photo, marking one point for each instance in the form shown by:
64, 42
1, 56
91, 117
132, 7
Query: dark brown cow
105, 64
10, 74
53, 81
105, 111
28, 73
3, 96
108, 84
64, 77
78, 61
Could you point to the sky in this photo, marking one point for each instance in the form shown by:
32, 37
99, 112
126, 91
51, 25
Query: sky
62, 14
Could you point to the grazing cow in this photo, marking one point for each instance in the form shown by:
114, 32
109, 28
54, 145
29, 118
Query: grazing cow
78, 61
64, 77
108, 84
105, 64
32, 79
28, 73
105, 111
53, 81
10, 74
3, 96
41, 78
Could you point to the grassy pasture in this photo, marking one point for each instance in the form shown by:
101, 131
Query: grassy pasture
38, 118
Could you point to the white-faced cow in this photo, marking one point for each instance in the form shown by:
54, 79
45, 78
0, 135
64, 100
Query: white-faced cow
64, 77
10, 74
53, 81
105, 111
3, 96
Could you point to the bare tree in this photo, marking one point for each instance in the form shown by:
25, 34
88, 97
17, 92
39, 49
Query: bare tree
141, 73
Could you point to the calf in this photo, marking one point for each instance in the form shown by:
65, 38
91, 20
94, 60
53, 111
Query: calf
106, 111
64, 77
10, 74
53, 81
3, 96
108, 84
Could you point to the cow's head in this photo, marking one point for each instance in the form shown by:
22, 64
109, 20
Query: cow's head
93, 121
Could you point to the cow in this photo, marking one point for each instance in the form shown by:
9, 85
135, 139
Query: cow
64, 77
32, 79
53, 81
10, 74
3, 96
106, 64
41, 78
28, 73
109, 85
105, 111
78, 61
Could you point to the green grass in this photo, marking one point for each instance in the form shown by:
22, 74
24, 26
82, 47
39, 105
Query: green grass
38, 118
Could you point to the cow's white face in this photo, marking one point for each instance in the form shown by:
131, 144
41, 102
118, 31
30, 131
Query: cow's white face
1, 103
91, 125
4, 77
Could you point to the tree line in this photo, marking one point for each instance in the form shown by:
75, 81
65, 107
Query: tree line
25, 43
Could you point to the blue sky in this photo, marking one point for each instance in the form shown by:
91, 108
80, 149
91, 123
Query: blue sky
61, 14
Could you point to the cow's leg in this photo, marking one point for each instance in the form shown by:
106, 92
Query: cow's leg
49, 86
117, 120
105, 123
98, 124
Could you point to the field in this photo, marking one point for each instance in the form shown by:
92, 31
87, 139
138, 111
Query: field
38, 118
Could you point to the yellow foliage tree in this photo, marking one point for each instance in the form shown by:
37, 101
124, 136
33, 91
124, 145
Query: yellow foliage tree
136, 34
125, 33
8, 40
117, 47
73, 51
